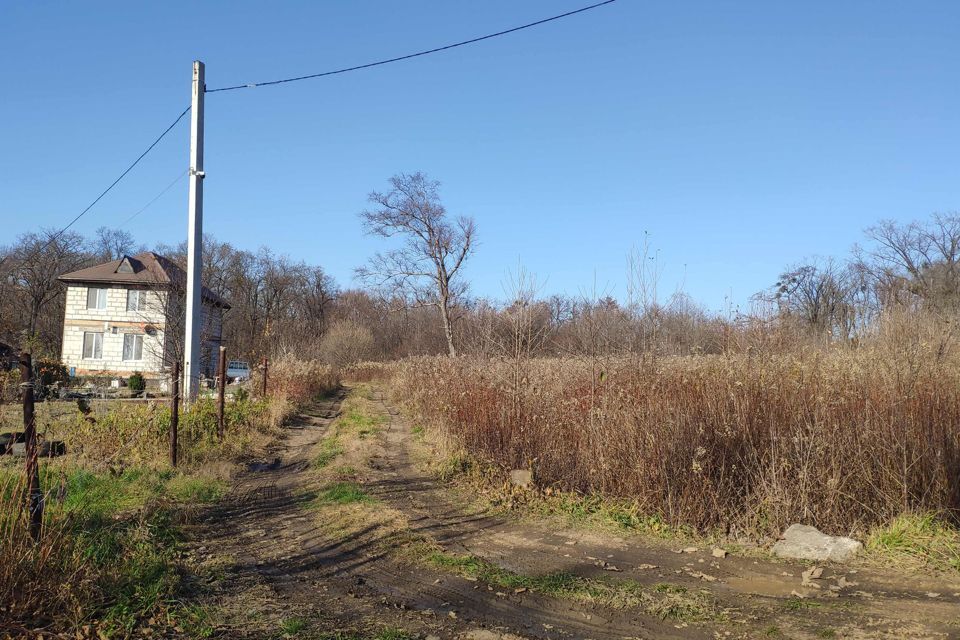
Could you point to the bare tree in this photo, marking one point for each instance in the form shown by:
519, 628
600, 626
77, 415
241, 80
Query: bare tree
31, 272
919, 261
820, 295
424, 270
112, 244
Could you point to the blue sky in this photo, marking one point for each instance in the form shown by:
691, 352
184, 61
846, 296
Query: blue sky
742, 136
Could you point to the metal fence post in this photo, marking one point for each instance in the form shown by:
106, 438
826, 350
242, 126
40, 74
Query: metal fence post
221, 390
174, 413
34, 496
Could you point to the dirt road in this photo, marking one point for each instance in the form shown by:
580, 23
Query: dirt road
276, 565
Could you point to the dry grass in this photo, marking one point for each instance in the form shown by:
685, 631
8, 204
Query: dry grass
24, 563
369, 371
107, 555
843, 439
293, 383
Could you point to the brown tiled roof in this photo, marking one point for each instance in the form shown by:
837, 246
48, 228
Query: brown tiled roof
147, 269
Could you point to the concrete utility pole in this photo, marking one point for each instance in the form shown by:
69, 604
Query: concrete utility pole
192, 348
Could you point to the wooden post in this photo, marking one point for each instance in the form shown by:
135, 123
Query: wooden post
34, 496
221, 390
263, 390
174, 412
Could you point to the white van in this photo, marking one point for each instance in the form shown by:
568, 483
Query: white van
238, 370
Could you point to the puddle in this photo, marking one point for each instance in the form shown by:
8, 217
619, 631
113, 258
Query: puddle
264, 466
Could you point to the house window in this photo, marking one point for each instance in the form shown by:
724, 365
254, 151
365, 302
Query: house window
133, 346
136, 300
96, 298
92, 345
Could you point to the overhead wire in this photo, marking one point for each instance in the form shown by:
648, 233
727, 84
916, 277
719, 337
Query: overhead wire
377, 63
368, 65
157, 197
60, 233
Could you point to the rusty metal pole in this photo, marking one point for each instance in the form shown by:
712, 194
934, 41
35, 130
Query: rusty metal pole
174, 413
221, 390
34, 496
263, 390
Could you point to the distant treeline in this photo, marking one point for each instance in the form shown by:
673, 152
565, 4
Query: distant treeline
281, 305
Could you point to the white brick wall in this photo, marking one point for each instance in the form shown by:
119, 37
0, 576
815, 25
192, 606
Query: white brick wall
112, 360
116, 311
78, 320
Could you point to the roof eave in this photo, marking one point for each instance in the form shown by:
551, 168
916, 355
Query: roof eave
147, 283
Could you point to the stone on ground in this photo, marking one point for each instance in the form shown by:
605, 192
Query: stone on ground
522, 478
803, 542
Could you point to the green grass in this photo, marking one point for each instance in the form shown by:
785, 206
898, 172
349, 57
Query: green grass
665, 601
121, 532
923, 538
454, 466
124, 527
343, 493
292, 626
328, 450
621, 515
474, 567
666, 587
357, 419
800, 604
196, 489
192, 619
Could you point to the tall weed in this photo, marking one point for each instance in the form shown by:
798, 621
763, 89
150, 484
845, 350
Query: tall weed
840, 438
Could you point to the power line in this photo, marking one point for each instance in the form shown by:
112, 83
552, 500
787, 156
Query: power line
59, 233
157, 197
283, 81
412, 55
125, 172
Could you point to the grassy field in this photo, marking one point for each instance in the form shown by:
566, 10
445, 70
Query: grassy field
108, 561
847, 440
108, 558
51, 416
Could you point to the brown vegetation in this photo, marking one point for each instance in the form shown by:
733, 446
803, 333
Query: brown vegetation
107, 557
839, 437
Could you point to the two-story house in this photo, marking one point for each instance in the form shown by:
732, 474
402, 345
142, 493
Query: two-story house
127, 315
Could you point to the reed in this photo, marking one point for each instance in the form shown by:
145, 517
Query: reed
842, 438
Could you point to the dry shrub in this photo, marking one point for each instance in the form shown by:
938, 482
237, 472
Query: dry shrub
841, 438
138, 433
346, 343
9, 385
293, 383
369, 371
